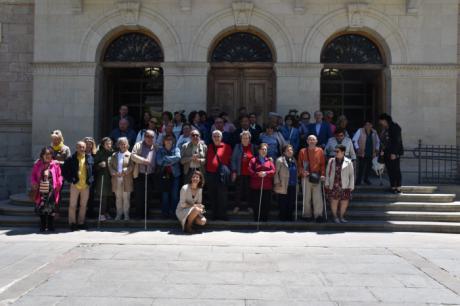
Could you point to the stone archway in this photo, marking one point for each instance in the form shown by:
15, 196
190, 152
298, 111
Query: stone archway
353, 80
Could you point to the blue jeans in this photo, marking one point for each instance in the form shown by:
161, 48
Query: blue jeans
169, 199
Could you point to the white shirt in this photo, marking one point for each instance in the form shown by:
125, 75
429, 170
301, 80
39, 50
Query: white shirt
120, 157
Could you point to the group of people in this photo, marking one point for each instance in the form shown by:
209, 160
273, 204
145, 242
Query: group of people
179, 157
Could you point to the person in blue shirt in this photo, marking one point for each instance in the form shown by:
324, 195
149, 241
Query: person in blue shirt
274, 140
290, 133
168, 159
124, 130
320, 129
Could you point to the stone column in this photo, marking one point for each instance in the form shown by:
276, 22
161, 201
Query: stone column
185, 86
298, 86
63, 98
423, 102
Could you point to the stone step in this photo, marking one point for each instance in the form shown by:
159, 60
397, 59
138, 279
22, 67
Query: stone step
405, 206
9, 209
405, 189
427, 216
361, 226
403, 197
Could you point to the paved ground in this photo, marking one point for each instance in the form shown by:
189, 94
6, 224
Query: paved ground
228, 268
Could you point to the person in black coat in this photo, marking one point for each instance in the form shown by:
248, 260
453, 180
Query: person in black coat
78, 171
391, 150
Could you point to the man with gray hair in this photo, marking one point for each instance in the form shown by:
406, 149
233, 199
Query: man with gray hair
78, 171
143, 155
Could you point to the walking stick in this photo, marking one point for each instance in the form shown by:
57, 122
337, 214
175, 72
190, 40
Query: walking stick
260, 201
304, 191
296, 199
145, 201
324, 201
100, 203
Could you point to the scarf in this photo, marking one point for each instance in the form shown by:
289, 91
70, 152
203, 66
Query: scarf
58, 147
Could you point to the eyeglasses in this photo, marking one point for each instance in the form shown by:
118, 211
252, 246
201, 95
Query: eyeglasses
148, 136
195, 135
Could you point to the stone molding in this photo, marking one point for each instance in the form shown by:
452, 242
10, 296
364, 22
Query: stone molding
356, 15
64, 68
298, 70
299, 7
449, 71
77, 6
16, 126
17, 2
242, 12
106, 26
412, 7
180, 69
129, 11
224, 21
185, 5
370, 20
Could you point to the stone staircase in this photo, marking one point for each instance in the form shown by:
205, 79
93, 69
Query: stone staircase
417, 209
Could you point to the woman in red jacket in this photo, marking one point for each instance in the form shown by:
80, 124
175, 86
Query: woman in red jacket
262, 171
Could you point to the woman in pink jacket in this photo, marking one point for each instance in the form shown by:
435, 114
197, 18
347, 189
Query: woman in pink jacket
46, 182
262, 171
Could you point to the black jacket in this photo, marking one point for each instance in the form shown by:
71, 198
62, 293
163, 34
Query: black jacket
70, 169
393, 143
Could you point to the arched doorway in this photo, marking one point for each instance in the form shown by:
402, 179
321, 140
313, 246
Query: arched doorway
241, 75
132, 76
353, 80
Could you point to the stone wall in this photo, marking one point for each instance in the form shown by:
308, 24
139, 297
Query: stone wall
16, 55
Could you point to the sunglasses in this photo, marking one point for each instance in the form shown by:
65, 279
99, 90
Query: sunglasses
148, 136
195, 135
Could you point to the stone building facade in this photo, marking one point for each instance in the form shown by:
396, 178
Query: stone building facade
54, 71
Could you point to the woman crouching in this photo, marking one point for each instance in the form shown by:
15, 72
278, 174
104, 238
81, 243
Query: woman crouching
190, 209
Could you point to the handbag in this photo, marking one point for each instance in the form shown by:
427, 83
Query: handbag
314, 177
223, 170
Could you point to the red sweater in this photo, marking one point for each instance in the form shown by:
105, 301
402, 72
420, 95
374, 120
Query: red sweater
224, 151
255, 166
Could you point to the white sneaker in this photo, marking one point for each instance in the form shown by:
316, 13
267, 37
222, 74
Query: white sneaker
336, 220
236, 210
343, 220
102, 218
126, 218
118, 218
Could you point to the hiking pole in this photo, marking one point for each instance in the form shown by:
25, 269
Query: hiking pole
260, 201
145, 201
324, 201
296, 199
100, 203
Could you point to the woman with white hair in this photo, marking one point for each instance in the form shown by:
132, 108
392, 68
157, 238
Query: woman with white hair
218, 160
121, 169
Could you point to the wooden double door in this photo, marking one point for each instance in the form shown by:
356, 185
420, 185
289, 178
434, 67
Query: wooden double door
233, 86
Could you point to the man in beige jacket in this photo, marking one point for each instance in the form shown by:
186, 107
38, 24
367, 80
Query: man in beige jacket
143, 156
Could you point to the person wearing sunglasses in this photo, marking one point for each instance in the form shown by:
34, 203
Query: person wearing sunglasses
193, 155
340, 182
152, 125
143, 156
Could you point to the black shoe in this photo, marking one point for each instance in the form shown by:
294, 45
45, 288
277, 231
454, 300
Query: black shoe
319, 219
357, 183
399, 191
73, 227
306, 219
82, 226
368, 183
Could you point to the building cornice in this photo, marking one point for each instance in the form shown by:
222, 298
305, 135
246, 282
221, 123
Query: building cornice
17, 2
15, 126
64, 68
425, 70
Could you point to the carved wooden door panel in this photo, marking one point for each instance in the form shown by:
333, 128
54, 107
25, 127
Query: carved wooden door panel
230, 89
